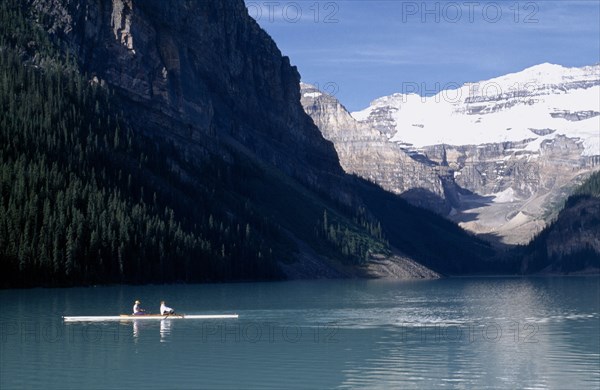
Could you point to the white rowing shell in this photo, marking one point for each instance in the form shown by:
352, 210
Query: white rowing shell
126, 317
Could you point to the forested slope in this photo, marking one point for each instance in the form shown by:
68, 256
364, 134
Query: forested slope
572, 242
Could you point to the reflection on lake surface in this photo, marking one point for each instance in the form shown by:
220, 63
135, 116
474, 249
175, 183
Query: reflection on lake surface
455, 333
139, 325
165, 330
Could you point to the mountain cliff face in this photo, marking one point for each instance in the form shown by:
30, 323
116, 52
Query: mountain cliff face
192, 69
517, 144
364, 151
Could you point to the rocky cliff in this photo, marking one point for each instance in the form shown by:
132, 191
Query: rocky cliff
501, 153
365, 151
192, 69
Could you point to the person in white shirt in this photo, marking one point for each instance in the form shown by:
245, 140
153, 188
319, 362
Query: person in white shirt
137, 309
164, 309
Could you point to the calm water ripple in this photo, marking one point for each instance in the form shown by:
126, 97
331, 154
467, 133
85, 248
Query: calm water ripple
462, 333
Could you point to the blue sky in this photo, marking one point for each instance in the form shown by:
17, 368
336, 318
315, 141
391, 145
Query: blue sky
361, 50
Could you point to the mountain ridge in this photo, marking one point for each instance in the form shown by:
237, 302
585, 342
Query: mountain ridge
543, 86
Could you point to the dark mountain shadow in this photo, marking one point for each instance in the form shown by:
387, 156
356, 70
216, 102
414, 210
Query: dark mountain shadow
430, 239
472, 200
467, 200
496, 240
451, 209
426, 199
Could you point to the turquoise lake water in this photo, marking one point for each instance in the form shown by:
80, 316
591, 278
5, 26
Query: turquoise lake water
460, 333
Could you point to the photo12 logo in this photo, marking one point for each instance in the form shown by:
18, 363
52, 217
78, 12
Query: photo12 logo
455, 92
269, 332
469, 11
56, 332
31, 332
486, 332
293, 12
330, 88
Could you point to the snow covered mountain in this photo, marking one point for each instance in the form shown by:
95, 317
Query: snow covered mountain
534, 105
502, 153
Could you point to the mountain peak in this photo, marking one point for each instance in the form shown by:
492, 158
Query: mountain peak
537, 103
548, 74
545, 67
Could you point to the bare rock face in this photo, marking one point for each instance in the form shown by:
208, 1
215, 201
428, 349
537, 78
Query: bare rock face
198, 70
365, 151
494, 168
121, 22
514, 193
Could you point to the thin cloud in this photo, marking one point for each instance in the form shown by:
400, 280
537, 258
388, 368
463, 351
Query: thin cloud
371, 46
